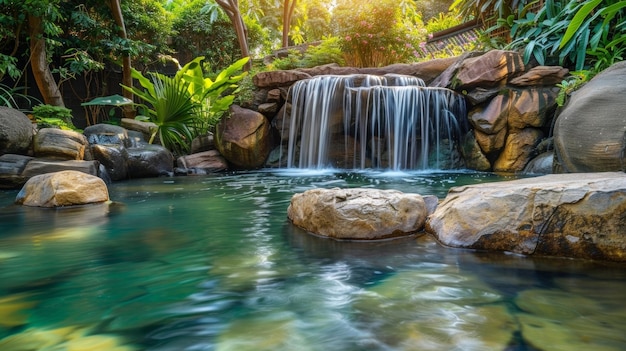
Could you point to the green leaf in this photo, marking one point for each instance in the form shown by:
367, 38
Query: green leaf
577, 21
112, 100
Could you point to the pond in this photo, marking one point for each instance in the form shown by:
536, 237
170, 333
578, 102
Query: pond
212, 263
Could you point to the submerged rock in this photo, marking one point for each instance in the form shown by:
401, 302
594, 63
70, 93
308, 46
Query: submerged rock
65, 188
434, 310
567, 215
358, 214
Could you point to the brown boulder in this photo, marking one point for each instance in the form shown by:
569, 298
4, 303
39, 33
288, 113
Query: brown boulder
531, 107
493, 68
566, 215
357, 213
60, 144
427, 70
244, 138
272, 79
541, 75
492, 118
518, 150
210, 161
65, 188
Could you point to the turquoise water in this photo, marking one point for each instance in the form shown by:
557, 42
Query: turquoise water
212, 263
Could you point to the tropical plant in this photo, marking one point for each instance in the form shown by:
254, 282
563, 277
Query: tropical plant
572, 83
167, 104
566, 32
603, 29
187, 104
212, 97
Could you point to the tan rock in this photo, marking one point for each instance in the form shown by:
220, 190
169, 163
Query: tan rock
518, 150
59, 144
568, 215
65, 188
490, 143
358, 214
531, 107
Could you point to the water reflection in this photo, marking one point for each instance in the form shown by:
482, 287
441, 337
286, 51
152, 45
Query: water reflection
213, 264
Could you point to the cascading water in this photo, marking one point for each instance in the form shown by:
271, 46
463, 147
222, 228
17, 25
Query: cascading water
364, 121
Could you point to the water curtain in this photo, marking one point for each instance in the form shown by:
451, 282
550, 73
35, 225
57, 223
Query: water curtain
364, 121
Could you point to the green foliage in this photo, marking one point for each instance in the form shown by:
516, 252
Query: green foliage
328, 51
48, 116
479, 8
212, 97
187, 104
8, 65
203, 30
444, 21
572, 83
12, 97
377, 34
567, 32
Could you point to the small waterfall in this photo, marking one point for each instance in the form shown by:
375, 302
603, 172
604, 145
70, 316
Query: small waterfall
364, 121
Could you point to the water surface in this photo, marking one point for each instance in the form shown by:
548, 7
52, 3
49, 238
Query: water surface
212, 263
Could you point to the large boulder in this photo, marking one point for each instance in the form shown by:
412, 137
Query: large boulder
107, 134
16, 132
114, 159
59, 144
202, 162
590, 132
149, 160
566, 215
359, 214
41, 166
65, 188
244, 138
108, 145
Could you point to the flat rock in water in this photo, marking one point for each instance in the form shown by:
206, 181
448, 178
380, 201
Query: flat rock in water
358, 214
579, 215
65, 188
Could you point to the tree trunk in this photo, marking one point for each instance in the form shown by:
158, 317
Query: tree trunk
288, 8
231, 7
39, 63
127, 78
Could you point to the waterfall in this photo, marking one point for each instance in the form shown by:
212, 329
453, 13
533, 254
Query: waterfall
365, 121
